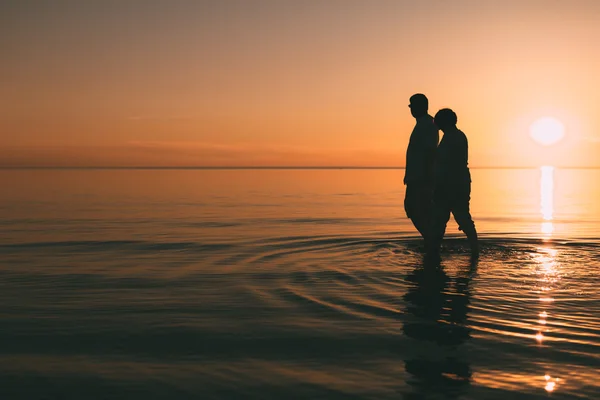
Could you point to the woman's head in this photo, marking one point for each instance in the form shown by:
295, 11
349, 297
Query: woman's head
445, 118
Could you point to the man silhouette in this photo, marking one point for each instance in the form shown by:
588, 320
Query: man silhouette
452, 191
419, 172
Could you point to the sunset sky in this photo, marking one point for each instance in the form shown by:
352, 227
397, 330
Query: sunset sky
302, 83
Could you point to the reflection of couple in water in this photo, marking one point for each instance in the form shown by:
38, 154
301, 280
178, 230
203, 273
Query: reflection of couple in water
437, 177
437, 308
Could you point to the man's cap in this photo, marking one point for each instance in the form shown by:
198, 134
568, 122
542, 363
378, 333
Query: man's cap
418, 99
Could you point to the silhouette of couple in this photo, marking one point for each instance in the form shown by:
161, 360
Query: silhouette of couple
437, 177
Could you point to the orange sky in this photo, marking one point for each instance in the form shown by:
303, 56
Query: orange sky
327, 83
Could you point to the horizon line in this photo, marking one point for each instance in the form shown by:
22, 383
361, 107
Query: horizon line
281, 167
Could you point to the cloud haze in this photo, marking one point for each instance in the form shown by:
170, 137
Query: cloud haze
188, 154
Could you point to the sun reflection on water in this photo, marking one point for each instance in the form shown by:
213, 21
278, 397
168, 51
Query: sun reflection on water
547, 228
547, 199
539, 337
548, 275
550, 383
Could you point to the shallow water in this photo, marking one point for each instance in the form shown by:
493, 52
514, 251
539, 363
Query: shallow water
294, 284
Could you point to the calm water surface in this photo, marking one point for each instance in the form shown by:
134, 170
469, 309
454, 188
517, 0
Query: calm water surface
307, 284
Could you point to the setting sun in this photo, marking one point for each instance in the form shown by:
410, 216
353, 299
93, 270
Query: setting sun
547, 131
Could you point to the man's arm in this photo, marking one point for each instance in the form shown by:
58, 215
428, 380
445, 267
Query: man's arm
429, 151
410, 169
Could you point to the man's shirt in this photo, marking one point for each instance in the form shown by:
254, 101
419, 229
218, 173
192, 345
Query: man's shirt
421, 151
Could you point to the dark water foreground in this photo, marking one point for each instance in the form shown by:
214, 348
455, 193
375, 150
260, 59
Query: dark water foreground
321, 317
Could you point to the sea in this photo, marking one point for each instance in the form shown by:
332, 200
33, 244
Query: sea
294, 284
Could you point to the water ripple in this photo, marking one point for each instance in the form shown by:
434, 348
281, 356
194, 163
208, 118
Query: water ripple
480, 330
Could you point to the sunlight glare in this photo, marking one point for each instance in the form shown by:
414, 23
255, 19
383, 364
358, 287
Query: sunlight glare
539, 337
547, 131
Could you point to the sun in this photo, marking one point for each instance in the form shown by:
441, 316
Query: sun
547, 131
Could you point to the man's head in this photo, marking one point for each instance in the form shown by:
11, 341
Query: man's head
445, 119
418, 105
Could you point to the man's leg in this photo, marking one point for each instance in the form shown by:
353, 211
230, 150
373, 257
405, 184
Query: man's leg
425, 207
439, 219
416, 210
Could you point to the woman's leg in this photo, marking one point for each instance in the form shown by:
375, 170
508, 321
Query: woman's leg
462, 215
